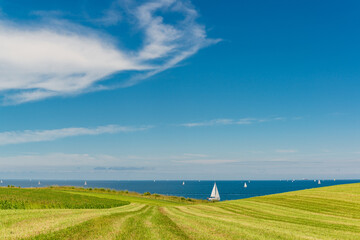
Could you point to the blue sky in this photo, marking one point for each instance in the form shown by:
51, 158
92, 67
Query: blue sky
179, 89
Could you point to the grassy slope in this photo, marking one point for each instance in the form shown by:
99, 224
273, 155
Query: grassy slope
14, 198
322, 213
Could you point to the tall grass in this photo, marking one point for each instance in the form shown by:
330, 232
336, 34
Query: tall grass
15, 198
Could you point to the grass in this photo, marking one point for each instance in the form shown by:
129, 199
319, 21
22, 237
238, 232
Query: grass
321, 213
15, 198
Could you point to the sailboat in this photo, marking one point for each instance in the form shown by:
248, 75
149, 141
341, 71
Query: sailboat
245, 186
319, 182
85, 183
183, 183
39, 183
1, 181
215, 196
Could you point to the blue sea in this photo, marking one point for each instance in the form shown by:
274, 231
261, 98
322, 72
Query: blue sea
229, 190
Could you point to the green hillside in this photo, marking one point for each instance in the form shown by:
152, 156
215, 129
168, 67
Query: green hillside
65, 213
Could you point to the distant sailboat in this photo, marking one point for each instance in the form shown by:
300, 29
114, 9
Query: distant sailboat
39, 183
85, 183
1, 181
215, 196
183, 183
245, 186
319, 182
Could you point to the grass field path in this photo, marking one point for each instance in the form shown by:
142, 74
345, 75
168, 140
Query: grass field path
322, 213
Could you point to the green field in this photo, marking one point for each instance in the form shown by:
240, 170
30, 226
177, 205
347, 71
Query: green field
68, 213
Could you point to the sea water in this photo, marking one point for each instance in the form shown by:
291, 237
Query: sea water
229, 190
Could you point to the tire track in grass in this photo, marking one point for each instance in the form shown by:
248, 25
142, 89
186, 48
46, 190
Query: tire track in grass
164, 227
135, 227
101, 227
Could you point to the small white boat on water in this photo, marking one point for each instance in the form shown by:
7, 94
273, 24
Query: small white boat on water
215, 196
245, 185
1, 181
183, 183
39, 183
85, 183
319, 182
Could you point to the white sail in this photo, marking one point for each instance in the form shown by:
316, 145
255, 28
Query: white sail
85, 183
183, 183
319, 182
215, 193
39, 183
245, 186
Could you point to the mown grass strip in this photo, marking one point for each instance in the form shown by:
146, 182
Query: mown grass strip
103, 227
34, 222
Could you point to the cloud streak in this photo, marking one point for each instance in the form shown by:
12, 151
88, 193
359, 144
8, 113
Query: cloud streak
120, 168
286, 151
224, 121
60, 58
206, 161
27, 136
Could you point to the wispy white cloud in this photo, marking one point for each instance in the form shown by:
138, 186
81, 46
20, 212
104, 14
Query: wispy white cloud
60, 58
69, 161
242, 121
286, 151
111, 16
16, 137
195, 155
53, 159
202, 159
